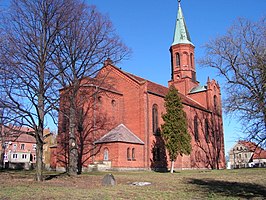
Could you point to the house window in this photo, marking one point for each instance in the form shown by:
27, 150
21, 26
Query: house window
22, 146
24, 156
196, 131
6, 144
14, 146
155, 119
246, 156
128, 154
133, 154
177, 59
15, 156
207, 133
34, 147
106, 154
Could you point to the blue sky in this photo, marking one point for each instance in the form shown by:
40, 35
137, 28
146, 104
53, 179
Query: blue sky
147, 27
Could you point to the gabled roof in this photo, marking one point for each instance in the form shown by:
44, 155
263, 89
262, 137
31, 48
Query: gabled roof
258, 152
120, 134
250, 145
21, 134
25, 138
181, 35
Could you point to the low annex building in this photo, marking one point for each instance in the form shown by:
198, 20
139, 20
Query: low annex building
121, 116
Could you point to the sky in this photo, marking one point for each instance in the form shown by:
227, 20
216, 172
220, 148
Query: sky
147, 27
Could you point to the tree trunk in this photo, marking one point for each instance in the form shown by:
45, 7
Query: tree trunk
2, 162
39, 128
73, 151
39, 162
172, 166
80, 153
2, 152
79, 163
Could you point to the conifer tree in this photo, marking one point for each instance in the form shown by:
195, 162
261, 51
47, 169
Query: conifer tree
174, 130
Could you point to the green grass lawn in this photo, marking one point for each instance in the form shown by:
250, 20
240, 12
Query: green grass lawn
194, 184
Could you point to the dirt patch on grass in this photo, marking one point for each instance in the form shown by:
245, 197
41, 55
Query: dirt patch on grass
87, 182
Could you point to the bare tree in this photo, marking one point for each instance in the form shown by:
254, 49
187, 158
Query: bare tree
240, 58
84, 46
30, 29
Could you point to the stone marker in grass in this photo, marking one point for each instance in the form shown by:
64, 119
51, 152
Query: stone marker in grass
108, 179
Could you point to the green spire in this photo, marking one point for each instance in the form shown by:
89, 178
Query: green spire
181, 35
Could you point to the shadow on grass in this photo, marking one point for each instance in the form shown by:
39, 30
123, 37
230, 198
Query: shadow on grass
52, 176
234, 189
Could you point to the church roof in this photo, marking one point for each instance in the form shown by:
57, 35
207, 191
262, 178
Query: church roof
161, 90
120, 134
181, 35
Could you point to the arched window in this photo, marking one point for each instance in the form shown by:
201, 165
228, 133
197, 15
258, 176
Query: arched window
80, 117
133, 154
186, 56
207, 133
196, 131
215, 103
106, 154
191, 60
177, 55
128, 154
155, 119
65, 117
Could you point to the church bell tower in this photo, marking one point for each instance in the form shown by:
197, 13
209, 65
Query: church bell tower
183, 74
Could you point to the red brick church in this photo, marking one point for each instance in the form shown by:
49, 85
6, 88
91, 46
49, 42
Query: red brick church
121, 128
